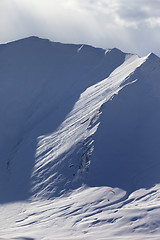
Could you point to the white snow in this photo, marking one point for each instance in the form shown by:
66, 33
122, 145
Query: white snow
86, 213
79, 126
77, 121
80, 48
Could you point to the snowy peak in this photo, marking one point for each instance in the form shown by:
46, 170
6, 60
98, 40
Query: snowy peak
55, 96
153, 60
153, 56
40, 82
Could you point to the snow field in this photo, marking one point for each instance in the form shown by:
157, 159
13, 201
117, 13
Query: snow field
85, 213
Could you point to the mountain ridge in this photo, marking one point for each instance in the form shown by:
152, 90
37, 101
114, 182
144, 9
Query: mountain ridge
34, 83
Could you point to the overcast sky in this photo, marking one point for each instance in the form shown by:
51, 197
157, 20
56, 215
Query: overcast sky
130, 25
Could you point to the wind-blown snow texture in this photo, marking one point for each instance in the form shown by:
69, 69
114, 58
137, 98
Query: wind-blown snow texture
75, 121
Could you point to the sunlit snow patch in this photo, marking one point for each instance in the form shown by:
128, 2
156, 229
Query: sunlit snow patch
72, 142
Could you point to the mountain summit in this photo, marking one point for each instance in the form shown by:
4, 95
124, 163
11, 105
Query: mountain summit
75, 114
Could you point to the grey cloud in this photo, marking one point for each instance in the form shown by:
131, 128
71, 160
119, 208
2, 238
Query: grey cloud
139, 10
130, 13
129, 25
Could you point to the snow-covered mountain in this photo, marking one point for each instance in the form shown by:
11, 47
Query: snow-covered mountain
75, 122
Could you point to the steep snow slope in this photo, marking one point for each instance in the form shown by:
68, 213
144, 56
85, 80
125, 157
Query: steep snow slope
67, 151
78, 121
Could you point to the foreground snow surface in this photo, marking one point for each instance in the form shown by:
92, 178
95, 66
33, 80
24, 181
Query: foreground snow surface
85, 214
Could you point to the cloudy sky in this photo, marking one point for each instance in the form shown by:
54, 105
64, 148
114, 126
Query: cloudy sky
132, 26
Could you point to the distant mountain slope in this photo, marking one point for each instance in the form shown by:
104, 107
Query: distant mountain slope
52, 95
